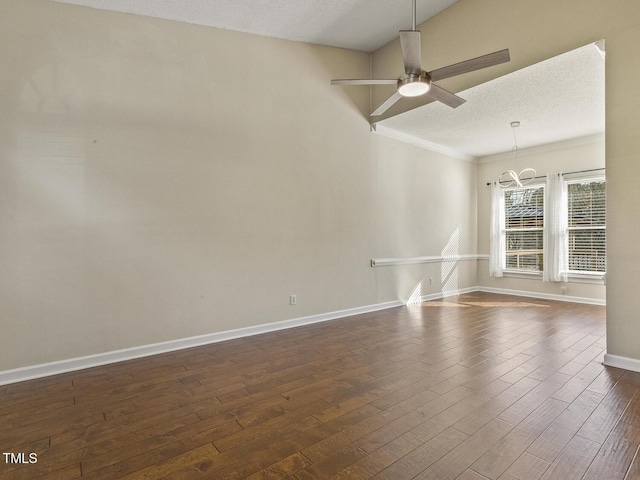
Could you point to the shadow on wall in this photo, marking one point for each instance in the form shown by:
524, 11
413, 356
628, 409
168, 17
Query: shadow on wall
449, 277
416, 294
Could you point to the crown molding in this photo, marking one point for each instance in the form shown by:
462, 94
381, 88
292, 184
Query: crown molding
420, 142
547, 147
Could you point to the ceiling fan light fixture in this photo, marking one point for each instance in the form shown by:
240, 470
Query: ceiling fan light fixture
414, 86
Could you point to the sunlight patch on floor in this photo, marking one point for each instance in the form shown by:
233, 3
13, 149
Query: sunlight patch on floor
467, 304
444, 304
506, 304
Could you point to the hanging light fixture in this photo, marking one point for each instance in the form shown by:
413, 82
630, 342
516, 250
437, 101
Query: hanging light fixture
509, 178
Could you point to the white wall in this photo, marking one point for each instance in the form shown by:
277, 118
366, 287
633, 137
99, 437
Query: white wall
160, 180
565, 157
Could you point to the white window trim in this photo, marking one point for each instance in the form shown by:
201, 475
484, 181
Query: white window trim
593, 278
523, 274
573, 276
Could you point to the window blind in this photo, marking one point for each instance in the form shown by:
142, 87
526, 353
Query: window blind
524, 228
587, 226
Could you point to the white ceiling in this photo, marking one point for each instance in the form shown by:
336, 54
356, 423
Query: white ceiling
555, 100
364, 25
558, 99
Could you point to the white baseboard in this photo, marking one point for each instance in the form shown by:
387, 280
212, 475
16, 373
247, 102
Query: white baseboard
519, 293
450, 293
72, 364
545, 296
626, 363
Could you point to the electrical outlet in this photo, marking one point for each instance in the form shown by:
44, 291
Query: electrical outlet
430, 281
563, 290
293, 300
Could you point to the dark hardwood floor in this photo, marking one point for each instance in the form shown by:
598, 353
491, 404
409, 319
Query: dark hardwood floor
473, 387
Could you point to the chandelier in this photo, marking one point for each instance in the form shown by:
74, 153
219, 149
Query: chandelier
509, 178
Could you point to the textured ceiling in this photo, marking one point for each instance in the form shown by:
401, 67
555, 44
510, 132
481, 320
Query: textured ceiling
364, 25
558, 99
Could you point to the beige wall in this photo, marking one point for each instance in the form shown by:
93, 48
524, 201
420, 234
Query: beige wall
426, 206
572, 156
160, 180
623, 194
534, 31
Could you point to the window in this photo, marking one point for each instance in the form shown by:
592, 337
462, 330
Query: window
524, 228
586, 226
557, 229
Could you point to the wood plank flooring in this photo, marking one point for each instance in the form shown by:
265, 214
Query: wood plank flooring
474, 387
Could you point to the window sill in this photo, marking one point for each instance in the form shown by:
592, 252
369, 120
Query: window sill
522, 274
589, 278
592, 278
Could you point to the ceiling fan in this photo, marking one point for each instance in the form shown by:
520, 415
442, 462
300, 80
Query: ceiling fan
415, 81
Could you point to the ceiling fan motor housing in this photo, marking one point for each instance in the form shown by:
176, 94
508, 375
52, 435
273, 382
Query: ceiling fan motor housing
414, 85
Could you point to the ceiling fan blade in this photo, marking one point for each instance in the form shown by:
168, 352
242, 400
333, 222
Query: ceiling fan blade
386, 105
445, 96
411, 51
354, 81
467, 66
